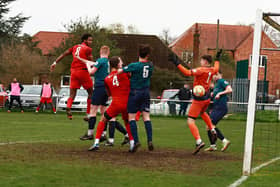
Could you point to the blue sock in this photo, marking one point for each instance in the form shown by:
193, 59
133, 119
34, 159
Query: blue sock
112, 125
91, 123
120, 128
134, 132
149, 130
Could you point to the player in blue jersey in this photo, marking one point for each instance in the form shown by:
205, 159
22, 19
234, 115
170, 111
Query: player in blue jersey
139, 97
219, 110
99, 96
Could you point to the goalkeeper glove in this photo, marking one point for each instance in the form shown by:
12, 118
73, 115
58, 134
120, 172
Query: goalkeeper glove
218, 55
174, 59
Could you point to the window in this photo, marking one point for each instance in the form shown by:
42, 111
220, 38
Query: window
262, 61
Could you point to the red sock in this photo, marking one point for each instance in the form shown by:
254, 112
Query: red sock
127, 126
99, 130
207, 120
137, 117
194, 131
38, 108
69, 102
88, 105
54, 110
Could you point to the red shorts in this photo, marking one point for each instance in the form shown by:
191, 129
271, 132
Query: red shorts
80, 78
198, 107
46, 100
117, 108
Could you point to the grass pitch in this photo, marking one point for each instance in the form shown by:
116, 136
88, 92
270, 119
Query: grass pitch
48, 152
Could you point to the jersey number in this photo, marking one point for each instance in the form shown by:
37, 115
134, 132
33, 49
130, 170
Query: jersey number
209, 76
145, 71
115, 81
77, 53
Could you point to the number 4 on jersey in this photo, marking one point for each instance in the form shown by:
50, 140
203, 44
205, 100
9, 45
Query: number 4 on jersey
115, 81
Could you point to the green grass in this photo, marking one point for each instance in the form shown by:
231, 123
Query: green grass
49, 153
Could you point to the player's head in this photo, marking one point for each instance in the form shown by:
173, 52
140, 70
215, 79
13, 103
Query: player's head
87, 39
115, 62
206, 60
14, 79
218, 76
144, 51
104, 51
186, 86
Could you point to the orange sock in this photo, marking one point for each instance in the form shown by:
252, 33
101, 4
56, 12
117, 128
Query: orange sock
127, 126
69, 102
207, 120
194, 131
88, 105
99, 130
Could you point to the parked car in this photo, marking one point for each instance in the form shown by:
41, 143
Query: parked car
80, 102
163, 106
277, 101
3, 96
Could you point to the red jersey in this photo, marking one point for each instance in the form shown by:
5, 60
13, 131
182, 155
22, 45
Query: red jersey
203, 76
83, 51
118, 86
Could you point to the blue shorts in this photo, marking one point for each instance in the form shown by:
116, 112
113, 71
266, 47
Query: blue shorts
138, 100
99, 96
217, 113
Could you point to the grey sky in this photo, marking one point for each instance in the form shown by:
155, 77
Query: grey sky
149, 16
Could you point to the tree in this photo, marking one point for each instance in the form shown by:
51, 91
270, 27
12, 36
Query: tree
166, 37
116, 28
10, 27
132, 29
17, 60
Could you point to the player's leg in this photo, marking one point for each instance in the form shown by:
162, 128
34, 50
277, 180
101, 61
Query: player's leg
127, 126
70, 101
184, 108
103, 108
12, 98
89, 91
87, 84
108, 115
149, 129
99, 130
91, 123
52, 105
39, 106
194, 112
112, 124
19, 103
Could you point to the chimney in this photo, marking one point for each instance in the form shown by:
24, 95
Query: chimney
195, 45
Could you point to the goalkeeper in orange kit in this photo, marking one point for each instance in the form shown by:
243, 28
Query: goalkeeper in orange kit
202, 77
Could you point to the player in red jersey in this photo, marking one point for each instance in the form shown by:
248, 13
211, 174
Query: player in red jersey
118, 87
202, 76
79, 73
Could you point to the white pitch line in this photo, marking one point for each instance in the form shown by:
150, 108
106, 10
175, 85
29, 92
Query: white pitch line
28, 142
254, 170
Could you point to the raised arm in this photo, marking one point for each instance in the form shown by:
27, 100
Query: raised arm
216, 66
66, 53
184, 70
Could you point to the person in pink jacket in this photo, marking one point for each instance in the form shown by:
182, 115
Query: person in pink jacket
46, 96
15, 88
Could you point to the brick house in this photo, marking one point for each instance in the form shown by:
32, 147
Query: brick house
237, 41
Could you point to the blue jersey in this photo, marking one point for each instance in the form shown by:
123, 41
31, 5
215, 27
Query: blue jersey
102, 65
220, 86
141, 73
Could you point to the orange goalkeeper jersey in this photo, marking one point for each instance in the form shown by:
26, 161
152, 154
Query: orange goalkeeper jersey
202, 75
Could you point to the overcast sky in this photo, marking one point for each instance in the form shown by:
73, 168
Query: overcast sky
149, 16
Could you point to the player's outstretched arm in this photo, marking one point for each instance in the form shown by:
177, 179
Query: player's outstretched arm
174, 59
228, 90
217, 61
89, 64
66, 53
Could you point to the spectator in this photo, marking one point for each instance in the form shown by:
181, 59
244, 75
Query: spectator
184, 95
15, 88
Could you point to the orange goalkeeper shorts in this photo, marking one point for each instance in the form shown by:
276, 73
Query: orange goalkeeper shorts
198, 107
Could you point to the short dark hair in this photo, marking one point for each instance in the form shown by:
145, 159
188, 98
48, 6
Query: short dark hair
144, 50
85, 36
208, 58
114, 62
